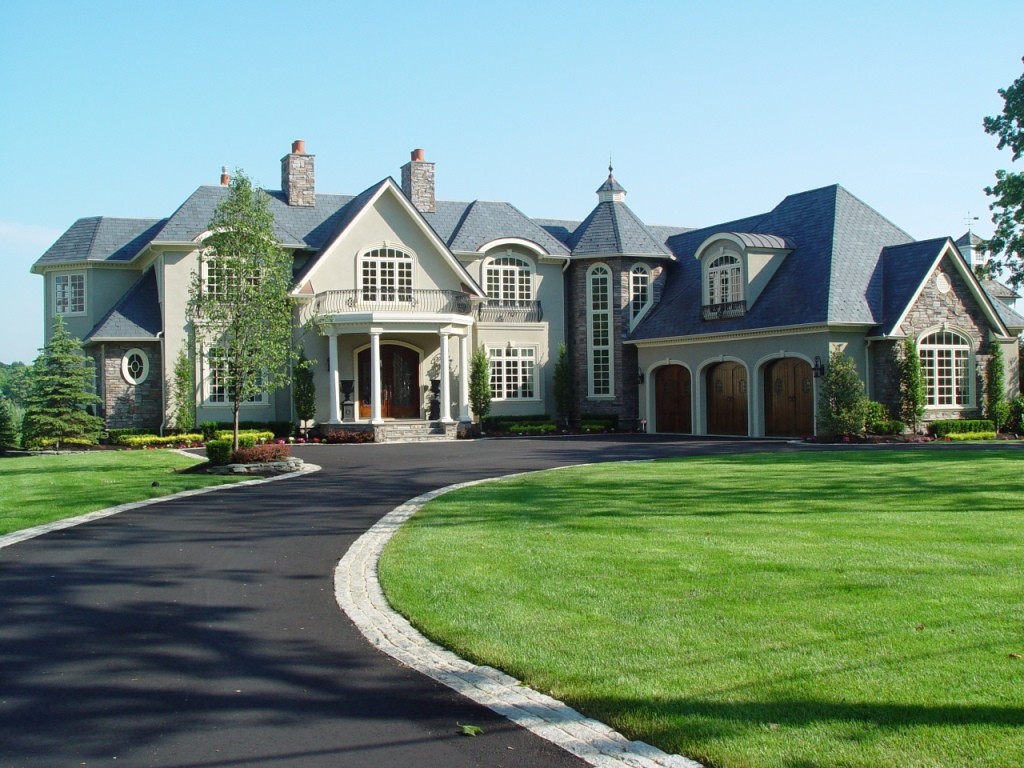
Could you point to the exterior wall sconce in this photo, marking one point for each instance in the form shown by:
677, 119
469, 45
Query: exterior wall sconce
640, 375
818, 368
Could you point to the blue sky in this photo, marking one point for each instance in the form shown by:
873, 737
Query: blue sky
709, 111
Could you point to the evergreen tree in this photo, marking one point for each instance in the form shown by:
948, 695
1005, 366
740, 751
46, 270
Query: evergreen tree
563, 385
480, 384
913, 393
238, 300
183, 391
842, 404
996, 407
304, 389
8, 427
62, 378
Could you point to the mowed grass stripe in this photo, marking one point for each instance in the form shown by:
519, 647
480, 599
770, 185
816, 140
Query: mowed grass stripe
853, 609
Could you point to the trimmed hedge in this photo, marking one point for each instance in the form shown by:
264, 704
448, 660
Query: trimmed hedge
958, 436
887, 428
219, 451
261, 454
143, 440
946, 427
258, 436
275, 428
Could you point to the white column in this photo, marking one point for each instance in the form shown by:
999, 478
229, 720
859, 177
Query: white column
375, 399
332, 351
464, 364
446, 397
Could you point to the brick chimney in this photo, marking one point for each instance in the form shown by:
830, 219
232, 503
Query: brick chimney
418, 182
225, 177
297, 179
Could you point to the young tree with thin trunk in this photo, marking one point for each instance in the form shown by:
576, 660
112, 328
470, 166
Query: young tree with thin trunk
238, 300
913, 392
480, 384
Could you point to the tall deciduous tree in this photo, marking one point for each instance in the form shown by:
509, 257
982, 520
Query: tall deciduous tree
60, 392
1006, 246
238, 300
842, 405
913, 393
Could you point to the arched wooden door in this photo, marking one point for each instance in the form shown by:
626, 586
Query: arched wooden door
672, 410
399, 376
788, 398
727, 399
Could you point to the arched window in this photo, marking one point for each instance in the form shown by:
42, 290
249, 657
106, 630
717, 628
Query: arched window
599, 330
385, 274
946, 365
724, 280
639, 291
509, 280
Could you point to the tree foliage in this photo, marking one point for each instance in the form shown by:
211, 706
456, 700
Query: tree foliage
913, 392
15, 381
563, 385
62, 380
842, 404
8, 426
480, 384
238, 300
183, 391
304, 389
996, 407
1006, 246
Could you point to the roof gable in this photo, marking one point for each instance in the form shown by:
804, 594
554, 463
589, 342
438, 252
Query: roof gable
469, 227
136, 314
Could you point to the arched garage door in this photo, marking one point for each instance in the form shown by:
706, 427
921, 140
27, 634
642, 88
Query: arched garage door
788, 398
727, 399
672, 410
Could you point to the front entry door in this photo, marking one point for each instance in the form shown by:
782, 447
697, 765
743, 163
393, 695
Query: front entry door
789, 399
727, 399
399, 383
672, 399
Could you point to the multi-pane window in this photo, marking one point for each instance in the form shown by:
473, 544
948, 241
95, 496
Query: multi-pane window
639, 291
386, 275
512, 373
218, 378
221, 279
946, 365
509, 280
69, 294
724, 280
599, 330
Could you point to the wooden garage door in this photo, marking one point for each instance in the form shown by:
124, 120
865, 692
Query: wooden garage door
727, 399
789, 398
672, 399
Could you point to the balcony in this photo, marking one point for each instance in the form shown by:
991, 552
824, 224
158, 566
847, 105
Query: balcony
392, 300
509, 311
726, 310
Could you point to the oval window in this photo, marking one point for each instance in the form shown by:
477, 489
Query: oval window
135, 366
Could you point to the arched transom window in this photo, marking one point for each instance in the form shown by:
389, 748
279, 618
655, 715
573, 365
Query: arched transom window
946, 365
724, 280
385, 274
509, 279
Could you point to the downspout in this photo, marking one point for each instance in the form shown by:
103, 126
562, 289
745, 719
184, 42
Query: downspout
163, 381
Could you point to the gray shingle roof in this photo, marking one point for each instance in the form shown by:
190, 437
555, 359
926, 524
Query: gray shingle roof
100, 238
903, 269
468, 226
135, 316
830, 275
612, 228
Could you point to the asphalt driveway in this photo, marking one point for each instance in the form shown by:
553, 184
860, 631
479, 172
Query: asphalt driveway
204, 631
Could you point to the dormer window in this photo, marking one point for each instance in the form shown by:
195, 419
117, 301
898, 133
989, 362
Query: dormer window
723, 285
385, 274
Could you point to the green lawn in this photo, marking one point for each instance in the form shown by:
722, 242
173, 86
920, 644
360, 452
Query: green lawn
793, 611
40, 489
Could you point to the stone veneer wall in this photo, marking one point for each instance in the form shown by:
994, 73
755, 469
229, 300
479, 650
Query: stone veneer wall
128, 405
418, 184
625, 404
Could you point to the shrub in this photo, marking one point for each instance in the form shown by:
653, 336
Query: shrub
842, 403
598, 421
959, 436
532, 427
888, 428
876, 414
261, 454
210, 429
155, 441
218, 451
946, 427
257, 436
1016, 420
336, 438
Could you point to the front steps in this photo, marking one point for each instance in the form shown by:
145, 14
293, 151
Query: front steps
398, 431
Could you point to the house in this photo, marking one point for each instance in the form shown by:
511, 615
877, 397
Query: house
720, 330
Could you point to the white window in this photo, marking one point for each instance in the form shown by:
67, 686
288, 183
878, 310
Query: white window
946, 365
599, 330
509, 280
220, 279
135, 366
69, 294
639, 291
724, 280
385, 274
218, 379
513, 373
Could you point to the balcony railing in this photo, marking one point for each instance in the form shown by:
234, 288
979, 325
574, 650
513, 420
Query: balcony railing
392, 300
505, 311
722, 311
